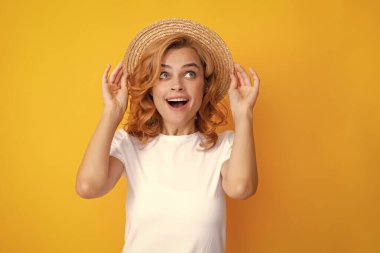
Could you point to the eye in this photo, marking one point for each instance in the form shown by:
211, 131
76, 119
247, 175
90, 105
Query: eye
192, 73
164, 75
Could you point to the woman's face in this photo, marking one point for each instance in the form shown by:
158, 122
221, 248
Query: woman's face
178, 92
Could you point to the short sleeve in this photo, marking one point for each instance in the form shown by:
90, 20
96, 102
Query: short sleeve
227, 141
117, 144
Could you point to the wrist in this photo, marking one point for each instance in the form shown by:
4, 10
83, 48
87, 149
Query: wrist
112, 115
243, 116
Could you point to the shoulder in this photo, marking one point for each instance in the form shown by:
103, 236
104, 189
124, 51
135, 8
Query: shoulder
225, 139
121, 135
226, 136
129, 140
121, 131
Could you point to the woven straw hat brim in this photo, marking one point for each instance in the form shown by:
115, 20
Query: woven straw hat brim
210, 40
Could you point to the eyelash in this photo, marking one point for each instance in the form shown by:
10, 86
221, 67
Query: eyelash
162, 73
193, 73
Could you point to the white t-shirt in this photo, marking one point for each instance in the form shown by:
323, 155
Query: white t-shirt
175, 201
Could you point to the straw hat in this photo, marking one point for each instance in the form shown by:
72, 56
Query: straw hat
207, 38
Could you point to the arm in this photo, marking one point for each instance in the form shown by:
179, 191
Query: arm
240, 178
239, 173
98, 171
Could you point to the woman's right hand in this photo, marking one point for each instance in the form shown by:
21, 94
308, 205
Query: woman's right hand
114, 90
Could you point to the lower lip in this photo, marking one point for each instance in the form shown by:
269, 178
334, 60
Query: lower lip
177, 108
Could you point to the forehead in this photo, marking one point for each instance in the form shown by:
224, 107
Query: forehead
181, 55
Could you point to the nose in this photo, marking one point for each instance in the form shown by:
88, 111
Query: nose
176, 85
176, 88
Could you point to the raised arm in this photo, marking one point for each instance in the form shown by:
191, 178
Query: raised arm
98, 172
239, 173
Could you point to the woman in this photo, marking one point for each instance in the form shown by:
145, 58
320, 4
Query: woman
176, 72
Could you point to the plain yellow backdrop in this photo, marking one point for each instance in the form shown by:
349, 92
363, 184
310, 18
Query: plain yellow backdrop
316, 120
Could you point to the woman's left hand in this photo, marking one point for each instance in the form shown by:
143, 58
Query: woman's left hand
241, 93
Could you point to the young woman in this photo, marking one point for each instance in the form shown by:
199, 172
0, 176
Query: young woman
178, 168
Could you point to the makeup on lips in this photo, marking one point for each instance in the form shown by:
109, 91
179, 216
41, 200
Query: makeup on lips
177, 103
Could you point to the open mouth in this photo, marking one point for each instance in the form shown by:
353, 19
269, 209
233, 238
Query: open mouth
177, 102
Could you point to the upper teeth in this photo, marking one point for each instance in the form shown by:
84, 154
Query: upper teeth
177, 99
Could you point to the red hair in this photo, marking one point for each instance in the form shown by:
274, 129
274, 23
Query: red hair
144, 121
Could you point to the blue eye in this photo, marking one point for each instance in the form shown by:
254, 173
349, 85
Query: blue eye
193, 74
163, 75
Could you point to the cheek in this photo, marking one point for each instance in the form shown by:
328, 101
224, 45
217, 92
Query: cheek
198, 91
197, 88
157, 93
158, 103
155, 98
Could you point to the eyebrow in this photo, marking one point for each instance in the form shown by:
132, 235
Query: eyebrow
184, 66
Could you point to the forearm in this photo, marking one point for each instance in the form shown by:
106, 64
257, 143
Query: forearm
242, 170
93, 171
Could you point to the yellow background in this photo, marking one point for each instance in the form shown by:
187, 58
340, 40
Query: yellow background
316, 120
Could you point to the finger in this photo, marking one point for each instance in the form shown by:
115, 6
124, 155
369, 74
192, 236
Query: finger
115, 72
124, 82
233, 84
117, 79
244, 75
105, 86
240, 78
256, 80
105, 74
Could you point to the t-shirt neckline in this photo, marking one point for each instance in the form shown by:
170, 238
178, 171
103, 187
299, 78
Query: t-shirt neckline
178, 137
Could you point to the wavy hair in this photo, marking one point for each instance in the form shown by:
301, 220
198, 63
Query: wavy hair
144, 121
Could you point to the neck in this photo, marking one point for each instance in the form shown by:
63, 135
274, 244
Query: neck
178, 130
